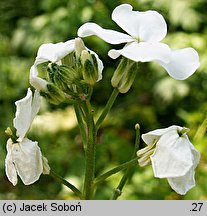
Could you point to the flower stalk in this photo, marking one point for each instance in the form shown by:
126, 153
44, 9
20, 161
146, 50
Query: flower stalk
107, 108
118, 191
61, 180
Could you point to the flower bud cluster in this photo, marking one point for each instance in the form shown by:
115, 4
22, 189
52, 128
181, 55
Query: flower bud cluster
69, 77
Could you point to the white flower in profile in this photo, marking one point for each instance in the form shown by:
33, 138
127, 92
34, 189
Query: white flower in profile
172, 156
145, 31
24, 157
55, 52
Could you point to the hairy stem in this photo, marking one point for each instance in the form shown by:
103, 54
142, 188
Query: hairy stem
90, 155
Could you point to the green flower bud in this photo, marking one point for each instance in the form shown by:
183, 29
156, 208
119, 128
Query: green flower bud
79, 47
119, 72
124, 75
90, 67
62, 76
53, 94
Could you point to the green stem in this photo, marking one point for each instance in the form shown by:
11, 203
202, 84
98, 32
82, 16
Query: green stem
107, 108
113, 171
129, 171
90, 155
66, 183
81, 124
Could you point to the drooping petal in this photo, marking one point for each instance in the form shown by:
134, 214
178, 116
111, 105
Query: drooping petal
36, 102
172, 156
149, 25
37, 82
26, 109
110, 36
149, 137
143, 52
54, 52
22, 120
9, 165
183, 63
184, 183
27, 158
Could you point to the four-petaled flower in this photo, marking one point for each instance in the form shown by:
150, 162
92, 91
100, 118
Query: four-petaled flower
24, 157
145, 31
54, 53
172, 156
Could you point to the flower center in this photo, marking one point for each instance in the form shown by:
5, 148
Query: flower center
145, 153
183, 131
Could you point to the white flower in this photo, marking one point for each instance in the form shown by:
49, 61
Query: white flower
24, 157
172, 156
145, 31
54, 53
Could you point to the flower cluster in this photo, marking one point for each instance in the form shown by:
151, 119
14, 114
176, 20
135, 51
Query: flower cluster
71, 70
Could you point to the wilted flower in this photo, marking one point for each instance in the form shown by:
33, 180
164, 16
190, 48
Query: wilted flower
172, 156
145, 31
24, 157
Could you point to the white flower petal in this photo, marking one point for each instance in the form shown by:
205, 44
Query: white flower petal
183, 63
148, 25
172, 156
22, 120
151, 136
143, 52
110, 36
9, 165
183, 184
26, 109
37, 82
27, 158
54, 52
36, 102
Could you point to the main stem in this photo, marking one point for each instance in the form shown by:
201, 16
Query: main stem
90, 155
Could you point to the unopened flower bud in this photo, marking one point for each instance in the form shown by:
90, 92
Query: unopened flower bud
79, 47
119, 72
124, 75
90, 67
53, 94
62, 76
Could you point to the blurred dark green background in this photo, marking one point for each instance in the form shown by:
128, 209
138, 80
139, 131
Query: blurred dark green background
155, 100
